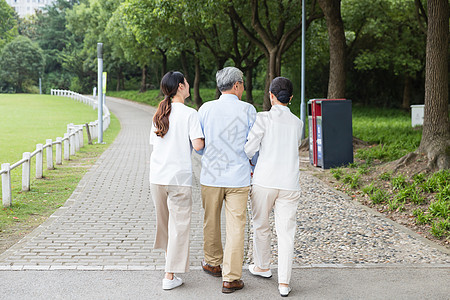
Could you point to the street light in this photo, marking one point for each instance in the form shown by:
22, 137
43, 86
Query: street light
303, 104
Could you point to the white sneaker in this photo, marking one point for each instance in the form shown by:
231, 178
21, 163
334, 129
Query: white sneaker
265, 274
171, 284
284, 290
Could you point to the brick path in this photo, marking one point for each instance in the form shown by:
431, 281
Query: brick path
108, 222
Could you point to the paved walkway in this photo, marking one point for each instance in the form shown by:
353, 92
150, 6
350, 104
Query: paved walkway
108, 225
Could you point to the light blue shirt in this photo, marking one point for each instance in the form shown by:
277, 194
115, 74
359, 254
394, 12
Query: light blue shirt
226, 123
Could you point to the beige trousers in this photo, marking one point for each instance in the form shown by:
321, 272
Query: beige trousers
235, 216
284, 204
173, 206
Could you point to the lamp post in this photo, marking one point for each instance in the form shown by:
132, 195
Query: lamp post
100, 92
303, 104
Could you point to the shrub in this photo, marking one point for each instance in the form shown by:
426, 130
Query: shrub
386, 176
421, 217
379, 196
436, 181
440, 208
398, 182
351, 181
337, 173
369, 189
440, 228
395, 204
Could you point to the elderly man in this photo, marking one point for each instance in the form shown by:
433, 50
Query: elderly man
225, 177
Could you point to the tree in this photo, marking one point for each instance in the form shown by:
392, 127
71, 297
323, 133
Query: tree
8, 23
21, 61
277, 25
436, 127
386, 39
336, 36
52, 34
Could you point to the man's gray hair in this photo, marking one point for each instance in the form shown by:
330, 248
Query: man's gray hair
227, 77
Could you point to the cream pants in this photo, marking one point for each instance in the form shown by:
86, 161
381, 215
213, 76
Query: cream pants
284, 204
173, 206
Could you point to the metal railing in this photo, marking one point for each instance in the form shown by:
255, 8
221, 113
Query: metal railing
72, 141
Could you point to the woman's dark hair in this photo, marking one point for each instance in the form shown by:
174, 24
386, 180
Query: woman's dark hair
169, 87
282, 88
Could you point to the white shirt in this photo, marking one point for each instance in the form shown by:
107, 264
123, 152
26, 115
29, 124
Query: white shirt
277, 136
170, 161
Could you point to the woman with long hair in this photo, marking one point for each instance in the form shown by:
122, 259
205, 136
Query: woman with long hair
175, 132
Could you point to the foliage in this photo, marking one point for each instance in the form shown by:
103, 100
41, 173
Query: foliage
387, 45
21, 60
8, 23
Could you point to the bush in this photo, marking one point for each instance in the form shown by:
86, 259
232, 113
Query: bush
379, 196
398, 182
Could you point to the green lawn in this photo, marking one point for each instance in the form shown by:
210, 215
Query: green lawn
31, 119
28, 120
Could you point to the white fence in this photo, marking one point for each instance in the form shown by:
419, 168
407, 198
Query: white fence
72, 141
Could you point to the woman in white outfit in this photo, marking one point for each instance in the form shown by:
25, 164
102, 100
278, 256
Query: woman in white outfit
276, 134
175, 131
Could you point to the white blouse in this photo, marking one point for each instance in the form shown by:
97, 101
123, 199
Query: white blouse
170, 161
276, 134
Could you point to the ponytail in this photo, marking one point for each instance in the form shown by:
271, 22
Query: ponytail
161, 118
169, 87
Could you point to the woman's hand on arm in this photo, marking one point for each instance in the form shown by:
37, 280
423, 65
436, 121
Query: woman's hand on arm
198, 144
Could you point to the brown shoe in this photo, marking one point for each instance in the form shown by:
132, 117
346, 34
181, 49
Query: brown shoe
211, 270
230, 287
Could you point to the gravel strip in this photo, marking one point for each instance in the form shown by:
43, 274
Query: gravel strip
334, 230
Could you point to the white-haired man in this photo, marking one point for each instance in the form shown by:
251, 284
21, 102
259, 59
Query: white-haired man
225, 177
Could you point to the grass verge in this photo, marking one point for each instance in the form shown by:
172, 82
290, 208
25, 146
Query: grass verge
30, 209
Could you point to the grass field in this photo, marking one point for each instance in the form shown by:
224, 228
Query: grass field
43, 117
28, 120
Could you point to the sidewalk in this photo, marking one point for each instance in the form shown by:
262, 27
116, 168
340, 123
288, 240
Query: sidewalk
343, 250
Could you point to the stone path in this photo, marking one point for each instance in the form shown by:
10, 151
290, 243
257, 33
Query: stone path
108, 223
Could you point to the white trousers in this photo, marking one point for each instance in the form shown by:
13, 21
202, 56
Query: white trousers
173, 206
284, 204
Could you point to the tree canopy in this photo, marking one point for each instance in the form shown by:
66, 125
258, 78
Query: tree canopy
21, 61
8, 23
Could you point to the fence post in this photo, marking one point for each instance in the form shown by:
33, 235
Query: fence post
80, 136
49, 154
71, 139
76, 138
59, 151
6, 185
39, 160
26, 171
66, 146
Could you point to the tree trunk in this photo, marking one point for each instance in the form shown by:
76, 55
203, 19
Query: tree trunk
336, 36
163, 67
406, 92
119, 77
219, 64
143, 80
272, 69
436, 127
184, 65
164, 63
197, 99
249, 85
